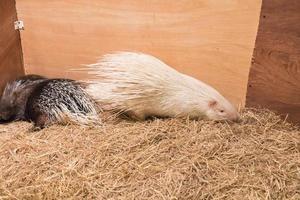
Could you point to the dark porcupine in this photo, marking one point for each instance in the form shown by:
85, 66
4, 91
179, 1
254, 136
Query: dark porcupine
46, 101
14, 97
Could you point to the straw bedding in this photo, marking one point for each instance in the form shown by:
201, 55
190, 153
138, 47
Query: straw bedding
161, 159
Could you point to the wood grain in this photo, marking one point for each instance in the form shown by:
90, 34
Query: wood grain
11, 65
274, 80
210, 40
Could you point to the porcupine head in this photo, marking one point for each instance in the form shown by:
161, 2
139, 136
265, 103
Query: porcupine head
13, 101
205, 99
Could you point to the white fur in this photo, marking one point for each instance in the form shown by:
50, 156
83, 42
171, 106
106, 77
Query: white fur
145, 86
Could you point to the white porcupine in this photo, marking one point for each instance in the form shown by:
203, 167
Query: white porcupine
142, 85
47, 101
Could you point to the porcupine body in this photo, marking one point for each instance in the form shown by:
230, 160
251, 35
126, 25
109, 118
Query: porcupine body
142, 86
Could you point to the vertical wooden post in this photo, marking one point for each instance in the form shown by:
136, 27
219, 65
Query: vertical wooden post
11, 61
274, 80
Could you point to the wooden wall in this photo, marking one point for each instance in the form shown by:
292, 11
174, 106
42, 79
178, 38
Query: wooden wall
274, 80
210, 40
11, 64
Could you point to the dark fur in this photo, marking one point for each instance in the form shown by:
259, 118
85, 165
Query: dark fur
13, 100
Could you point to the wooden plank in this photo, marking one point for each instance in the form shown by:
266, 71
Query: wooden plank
210, 40
274, 80
11, 64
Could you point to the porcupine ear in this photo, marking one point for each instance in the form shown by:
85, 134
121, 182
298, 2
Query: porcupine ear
212, 103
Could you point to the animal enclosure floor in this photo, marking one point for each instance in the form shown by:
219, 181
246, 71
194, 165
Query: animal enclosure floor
162, 159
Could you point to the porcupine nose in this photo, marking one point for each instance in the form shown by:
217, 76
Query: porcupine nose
236, 117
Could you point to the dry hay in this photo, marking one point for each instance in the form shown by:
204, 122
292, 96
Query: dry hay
161, 159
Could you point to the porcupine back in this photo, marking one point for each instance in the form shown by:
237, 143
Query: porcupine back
62, 101
129, 84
